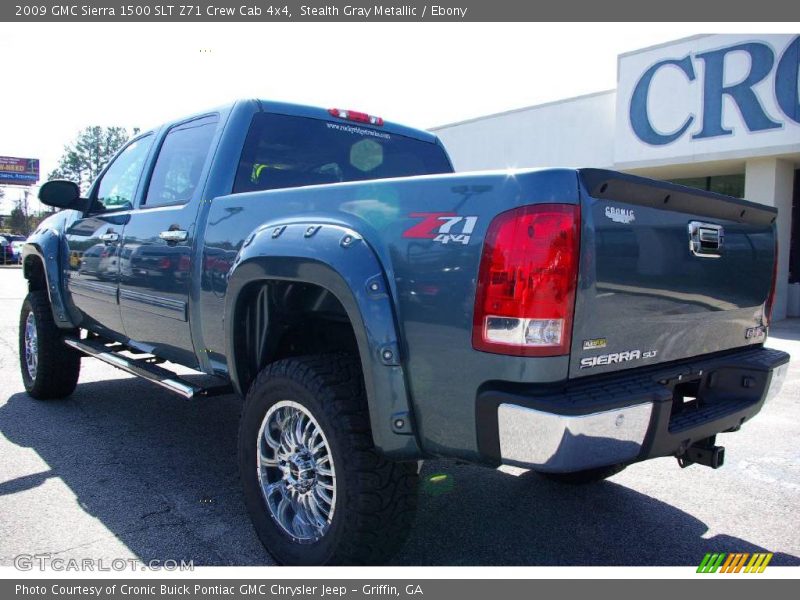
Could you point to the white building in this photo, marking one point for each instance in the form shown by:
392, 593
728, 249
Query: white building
720, 112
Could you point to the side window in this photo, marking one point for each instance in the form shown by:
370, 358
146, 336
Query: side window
180, 162
119, 182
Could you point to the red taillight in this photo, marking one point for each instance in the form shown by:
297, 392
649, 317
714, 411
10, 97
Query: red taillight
164, 263
770, 303
526, 285
353, 115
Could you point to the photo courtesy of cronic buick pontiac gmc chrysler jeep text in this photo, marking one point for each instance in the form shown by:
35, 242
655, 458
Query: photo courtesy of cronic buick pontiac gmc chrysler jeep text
375, 309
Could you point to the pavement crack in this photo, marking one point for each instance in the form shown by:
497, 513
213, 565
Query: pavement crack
162, 511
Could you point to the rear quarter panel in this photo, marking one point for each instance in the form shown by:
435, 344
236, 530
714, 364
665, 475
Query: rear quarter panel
432, 283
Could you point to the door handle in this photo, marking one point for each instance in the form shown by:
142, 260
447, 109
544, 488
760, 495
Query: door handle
109, 237
174, 235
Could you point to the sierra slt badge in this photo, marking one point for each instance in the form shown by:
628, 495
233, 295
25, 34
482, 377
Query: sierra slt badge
616, 357
620, 215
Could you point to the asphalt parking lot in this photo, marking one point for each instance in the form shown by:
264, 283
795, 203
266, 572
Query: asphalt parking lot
123, 469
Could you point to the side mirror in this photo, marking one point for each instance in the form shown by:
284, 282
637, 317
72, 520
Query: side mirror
60, 193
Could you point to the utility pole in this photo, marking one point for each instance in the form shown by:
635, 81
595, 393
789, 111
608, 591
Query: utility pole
25, 211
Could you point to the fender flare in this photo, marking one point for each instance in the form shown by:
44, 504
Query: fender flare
45, 245
339, 260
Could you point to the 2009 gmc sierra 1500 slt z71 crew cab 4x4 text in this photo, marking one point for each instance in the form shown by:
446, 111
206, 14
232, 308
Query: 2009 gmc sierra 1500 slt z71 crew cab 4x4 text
375, 309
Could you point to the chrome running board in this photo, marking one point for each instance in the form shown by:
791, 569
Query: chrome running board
144, 368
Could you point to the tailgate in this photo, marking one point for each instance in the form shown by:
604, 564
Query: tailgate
666, 273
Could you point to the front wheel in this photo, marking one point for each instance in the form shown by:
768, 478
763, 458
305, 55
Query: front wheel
317, 490
49, 368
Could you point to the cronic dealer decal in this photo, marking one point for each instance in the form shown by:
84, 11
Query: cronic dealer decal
620, 215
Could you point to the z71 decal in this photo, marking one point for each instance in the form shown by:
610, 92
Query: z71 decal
442, 227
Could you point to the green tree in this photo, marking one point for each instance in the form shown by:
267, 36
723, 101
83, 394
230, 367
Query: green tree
35, 220
86, 156
18, 221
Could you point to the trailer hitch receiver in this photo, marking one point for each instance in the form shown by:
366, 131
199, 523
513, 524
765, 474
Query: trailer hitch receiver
704, 452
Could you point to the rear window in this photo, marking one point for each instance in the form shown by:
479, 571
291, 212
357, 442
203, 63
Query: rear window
283, 152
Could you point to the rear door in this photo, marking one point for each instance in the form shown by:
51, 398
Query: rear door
666, 273
156, 255
92, 274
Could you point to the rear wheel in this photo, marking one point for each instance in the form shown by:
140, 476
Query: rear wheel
585, 476
317, 490
49, 368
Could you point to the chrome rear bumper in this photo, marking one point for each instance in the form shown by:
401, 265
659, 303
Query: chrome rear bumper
553, 442
633, 417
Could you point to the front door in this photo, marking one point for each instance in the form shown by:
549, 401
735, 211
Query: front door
93, 241
156, 254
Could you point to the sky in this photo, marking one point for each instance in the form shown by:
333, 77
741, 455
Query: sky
69, 76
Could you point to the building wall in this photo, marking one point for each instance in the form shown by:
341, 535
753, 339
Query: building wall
771, 181
575, 132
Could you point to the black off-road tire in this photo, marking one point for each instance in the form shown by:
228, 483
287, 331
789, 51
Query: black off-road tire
58, 365
586, 476
376, 498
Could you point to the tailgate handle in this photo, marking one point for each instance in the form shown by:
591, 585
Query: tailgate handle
705, 239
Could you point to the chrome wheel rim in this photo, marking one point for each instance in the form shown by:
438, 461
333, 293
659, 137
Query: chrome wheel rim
31, 346
296, 472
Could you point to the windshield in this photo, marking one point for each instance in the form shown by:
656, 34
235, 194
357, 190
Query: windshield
283, 151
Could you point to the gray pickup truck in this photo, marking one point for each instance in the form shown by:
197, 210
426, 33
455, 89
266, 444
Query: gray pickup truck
375, 309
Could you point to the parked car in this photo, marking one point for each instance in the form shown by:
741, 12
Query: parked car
16, 246
6, 251
90, 260
375, 309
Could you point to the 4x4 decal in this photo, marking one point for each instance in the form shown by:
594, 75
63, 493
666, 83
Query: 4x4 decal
442, 227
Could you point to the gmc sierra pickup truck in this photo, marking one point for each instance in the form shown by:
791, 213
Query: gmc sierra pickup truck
375, 309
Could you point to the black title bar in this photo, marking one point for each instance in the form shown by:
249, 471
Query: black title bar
410, 10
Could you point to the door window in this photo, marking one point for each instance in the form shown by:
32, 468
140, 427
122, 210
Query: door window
118, 185
180, 162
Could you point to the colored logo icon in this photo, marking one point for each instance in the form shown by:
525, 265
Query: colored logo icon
734, 562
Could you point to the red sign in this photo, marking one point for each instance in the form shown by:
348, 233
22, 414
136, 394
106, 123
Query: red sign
18, 171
